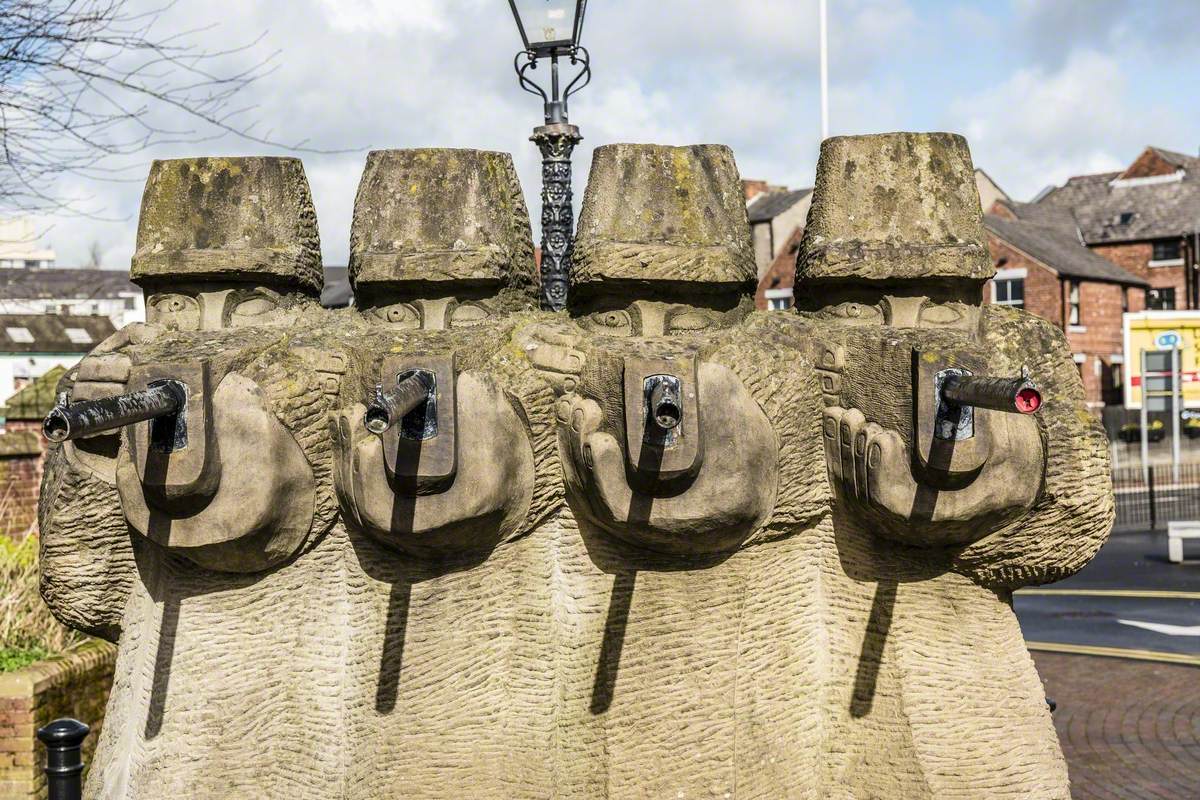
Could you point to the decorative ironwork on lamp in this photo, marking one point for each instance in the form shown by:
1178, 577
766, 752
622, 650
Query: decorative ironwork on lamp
551, 29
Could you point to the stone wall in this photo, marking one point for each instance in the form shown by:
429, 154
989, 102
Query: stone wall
75, 685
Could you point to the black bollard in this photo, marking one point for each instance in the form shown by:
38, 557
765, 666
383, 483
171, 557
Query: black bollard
64, 759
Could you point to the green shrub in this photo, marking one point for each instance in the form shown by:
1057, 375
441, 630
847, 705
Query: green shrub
28, 631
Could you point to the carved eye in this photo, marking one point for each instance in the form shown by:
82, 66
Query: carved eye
856, 313
249, 310
176, 311
691, 321
468, 314
940, 315
613, 323
398, 315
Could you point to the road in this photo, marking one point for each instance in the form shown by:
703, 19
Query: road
1129, 601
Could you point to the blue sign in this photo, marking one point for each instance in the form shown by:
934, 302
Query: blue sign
1167, 340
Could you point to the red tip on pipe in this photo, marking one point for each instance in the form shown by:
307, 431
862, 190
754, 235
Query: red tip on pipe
1028, 400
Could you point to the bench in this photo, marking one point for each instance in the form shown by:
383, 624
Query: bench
1176, 533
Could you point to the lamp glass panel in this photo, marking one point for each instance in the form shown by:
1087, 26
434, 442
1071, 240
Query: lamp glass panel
547, 22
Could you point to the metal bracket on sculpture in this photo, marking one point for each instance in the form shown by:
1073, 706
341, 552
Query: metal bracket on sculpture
658, 391
421, 449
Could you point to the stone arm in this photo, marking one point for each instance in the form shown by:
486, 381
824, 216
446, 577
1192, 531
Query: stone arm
86, 557
86, 553
1074, 511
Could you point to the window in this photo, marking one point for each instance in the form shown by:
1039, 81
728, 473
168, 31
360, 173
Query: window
1160, 299
78, 335
1167, 250
1125, 217
1009, 292
1124, 299
1115, 372
1073, 315
129, 303
21, 335
779, 299
32, 264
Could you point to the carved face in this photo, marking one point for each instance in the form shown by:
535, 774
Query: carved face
901, 311
655, 317
206, 307
433, 314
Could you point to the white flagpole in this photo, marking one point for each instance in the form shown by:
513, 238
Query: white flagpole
824, 75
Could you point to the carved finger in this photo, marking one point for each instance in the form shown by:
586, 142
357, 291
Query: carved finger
852, 422
861, 437
830, 426
891, 485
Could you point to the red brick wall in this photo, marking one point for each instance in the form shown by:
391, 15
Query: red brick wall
1100, 308
1042, 293
1135, 257
22, 449
1100, 338
75, 685
1149, 163
782, 272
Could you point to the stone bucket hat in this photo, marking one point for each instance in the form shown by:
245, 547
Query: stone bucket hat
657, 214
894, 206
438, 215
240, 219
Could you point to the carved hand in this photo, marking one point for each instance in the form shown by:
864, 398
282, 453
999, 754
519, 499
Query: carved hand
872, 468
714, 512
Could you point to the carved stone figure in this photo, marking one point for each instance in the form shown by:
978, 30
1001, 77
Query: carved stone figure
941, 509
447, 680
442, 544
236, 482
687, 560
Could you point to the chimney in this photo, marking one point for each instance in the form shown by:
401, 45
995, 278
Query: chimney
753, 189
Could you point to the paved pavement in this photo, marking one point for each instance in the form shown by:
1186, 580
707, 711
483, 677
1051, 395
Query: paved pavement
1129, 729
1129, 722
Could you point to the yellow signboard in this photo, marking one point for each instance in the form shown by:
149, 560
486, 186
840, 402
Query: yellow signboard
1158, 333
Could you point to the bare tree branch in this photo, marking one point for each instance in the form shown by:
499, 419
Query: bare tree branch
85, 82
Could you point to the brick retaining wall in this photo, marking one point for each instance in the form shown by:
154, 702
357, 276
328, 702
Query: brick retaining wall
75, 685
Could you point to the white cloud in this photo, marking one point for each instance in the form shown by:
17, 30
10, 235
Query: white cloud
1039, 127
378, 74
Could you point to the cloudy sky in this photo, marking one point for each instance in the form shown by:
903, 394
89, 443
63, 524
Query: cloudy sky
1043, 89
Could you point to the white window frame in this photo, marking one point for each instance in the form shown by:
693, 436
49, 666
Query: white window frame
19, 334
778, 299
1012, 274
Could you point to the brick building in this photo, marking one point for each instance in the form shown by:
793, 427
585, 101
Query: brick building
1043, 267
22, 450
1145, 218
777, 218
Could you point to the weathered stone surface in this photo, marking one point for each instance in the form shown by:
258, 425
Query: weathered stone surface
440, 215
550, 596
229, 219
653, 213
894, 206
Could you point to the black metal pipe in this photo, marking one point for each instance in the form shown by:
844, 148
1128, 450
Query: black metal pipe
73, 420
64, 758
1014, 395
665, 408
389, 407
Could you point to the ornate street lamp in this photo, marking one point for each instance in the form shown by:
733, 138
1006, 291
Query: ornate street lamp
551, 29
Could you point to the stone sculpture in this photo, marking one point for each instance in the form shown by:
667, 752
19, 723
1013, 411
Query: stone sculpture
931, 690
442, 544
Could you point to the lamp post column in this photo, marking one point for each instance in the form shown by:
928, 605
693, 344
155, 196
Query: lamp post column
556, 141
